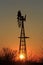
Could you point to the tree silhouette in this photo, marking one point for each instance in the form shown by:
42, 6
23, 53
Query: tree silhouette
7, 56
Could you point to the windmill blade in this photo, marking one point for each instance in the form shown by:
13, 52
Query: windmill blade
19, 14
18, 17
19, 23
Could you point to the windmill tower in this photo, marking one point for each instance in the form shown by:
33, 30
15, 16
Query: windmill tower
22, 46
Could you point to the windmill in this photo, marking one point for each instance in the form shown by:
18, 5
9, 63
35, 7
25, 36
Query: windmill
22, 46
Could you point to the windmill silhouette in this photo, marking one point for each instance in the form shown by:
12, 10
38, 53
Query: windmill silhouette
22, 45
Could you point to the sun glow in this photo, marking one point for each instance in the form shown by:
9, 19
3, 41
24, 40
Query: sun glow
22, 57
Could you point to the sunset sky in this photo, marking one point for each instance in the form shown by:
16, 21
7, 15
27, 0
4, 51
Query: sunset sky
9, 30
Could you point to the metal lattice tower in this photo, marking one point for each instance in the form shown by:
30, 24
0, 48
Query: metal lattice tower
22, 46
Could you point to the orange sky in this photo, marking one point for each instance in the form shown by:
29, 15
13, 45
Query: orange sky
9, 30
